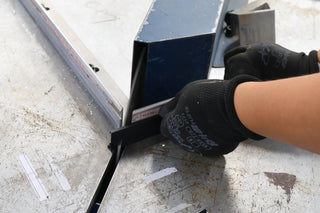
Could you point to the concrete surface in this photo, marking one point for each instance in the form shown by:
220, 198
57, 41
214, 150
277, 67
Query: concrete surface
48, 119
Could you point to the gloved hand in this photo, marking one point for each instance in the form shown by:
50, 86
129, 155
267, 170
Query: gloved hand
202, 117
268, 61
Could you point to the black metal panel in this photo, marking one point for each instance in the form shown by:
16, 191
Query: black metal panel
178, 36
170, 19
172, 64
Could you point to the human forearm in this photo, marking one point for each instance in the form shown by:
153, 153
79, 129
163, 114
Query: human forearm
204, 116
285, 110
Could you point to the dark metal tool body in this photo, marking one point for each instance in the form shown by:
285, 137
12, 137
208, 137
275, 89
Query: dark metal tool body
174, 47
135, 132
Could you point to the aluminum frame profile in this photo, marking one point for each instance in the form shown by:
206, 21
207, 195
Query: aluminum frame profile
100, 85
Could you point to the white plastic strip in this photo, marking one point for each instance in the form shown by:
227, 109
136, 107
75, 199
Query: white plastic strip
33, 178
178, 208
148, 111
160, 174
59, 175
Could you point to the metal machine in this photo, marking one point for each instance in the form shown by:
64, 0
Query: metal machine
178, 42
176, 46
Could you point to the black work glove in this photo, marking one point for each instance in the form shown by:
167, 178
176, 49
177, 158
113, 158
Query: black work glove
268, 61
202, 117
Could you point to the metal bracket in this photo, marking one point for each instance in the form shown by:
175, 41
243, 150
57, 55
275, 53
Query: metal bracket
252, 23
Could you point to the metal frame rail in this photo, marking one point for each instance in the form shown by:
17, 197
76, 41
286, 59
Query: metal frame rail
102, 88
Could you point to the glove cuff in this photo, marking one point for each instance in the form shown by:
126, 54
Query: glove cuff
230, 108
313, 62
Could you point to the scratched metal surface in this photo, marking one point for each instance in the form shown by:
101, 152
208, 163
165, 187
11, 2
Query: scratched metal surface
48, 118
264, 176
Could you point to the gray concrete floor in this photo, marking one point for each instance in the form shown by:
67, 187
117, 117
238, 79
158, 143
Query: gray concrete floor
47, 118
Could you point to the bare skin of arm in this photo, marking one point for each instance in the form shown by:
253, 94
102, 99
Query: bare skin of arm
286, 110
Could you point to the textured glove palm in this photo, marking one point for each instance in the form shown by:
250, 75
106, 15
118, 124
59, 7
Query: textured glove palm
202, 117
268, 61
